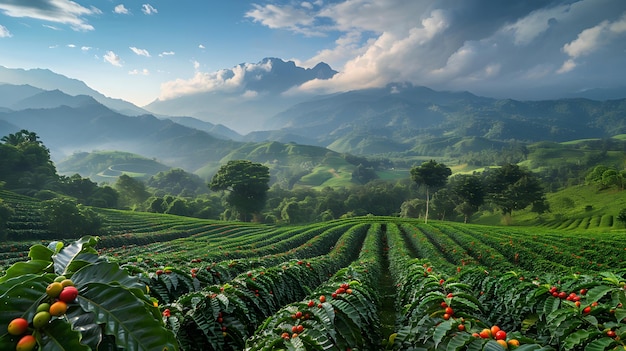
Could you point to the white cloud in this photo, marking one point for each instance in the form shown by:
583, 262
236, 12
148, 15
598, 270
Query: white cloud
591, 40
148, 9
4, 32
85, 48
250, 94
50, 27
588, 41
196, 65
200, 46
228, 80
297, 19
121, 9
167, 53
390, 57
56, 11
143, 72
71, 46
567, 66
140, 52
528, 28
113, 59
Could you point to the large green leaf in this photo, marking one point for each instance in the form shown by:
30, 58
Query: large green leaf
28, 267
85, 323
599, 344
65, 256
59, 336
105, 272
40, 252
20, 296
126, 317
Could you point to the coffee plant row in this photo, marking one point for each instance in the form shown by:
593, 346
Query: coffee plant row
371, 283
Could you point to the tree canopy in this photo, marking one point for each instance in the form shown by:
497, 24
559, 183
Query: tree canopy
432, 175
246, 183
511, 187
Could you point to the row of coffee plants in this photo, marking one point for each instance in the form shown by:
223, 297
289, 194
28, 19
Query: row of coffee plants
483, 308
168, 283
222, 317
341, 314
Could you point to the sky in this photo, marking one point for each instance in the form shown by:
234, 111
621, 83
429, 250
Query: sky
143, 50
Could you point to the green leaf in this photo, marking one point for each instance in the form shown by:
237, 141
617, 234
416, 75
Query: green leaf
551, 305
596, 293
40, 252
65, 256
599, 344
28, 267
491, 345
59, 336
575, 339
529, 321
85, 323
441, 330
55, 246
126, 317
20, 296
459, 342
105, 272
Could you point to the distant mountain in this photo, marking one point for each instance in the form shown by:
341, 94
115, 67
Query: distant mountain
601, 94
216, 130
88, 138
11, 94
402, 117
85, 127
256, 95
48, 80
52, 99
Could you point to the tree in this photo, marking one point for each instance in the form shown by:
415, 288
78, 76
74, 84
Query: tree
470, 191
511, 187
5, 213
132, 191
622, 216
246, 183
432, 175
67, 218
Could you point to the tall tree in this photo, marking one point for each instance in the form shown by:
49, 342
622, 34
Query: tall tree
511, 187
432, 175
246, 183
470, 192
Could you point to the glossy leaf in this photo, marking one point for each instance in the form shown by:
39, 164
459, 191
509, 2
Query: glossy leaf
124, 316
59, 336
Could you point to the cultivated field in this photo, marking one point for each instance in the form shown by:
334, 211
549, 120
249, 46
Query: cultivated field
367, 283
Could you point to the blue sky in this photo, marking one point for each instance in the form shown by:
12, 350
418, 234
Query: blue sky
143, 50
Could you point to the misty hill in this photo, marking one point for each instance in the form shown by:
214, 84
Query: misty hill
216, 130
85, 130
246, 95
106, 166
402, 117
92, 126
45, 79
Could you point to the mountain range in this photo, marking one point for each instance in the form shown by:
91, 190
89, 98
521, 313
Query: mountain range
399, 119
254, 93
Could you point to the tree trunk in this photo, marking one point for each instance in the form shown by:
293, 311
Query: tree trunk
427, 205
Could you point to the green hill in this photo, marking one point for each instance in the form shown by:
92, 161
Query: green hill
106, 166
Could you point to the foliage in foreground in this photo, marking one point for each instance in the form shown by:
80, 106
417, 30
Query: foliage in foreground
111, 310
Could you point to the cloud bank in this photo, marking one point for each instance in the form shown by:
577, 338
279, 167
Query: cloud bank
519, 49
